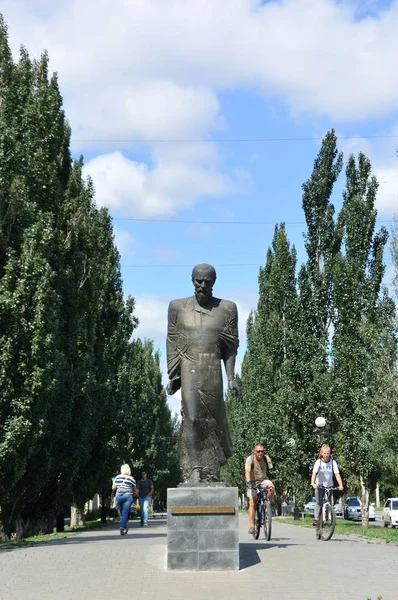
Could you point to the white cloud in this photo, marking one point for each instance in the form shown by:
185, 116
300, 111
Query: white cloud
132, 189
387, 195
152, 314
154, 70
383, 157
153, 109
144, 67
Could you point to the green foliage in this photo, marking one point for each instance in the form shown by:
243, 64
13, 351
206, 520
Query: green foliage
263, 415
394, 253
73, 386
323, 342
364, 345
147, 435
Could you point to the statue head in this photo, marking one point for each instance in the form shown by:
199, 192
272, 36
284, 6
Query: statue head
203, 279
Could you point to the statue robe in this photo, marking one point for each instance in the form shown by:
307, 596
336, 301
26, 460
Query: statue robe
198, 339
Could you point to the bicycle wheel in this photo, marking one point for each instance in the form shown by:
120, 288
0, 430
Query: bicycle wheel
257, 524
327, 522
267, 521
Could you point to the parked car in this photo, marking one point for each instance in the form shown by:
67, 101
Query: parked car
390, 512
352, 509
338, 509
309, 508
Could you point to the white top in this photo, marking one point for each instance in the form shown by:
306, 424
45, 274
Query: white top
325, 472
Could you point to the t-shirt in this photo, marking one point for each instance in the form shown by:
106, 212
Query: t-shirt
143, 487
258, 468
325, 472
125, 484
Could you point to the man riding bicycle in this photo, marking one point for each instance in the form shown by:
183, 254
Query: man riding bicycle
257, 466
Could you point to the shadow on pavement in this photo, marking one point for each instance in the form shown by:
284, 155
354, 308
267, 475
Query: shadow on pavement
248, 553
83, 538
108, 538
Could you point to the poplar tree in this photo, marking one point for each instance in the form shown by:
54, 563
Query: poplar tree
147, 432
333, 351
264, 413
64, 326
364, 349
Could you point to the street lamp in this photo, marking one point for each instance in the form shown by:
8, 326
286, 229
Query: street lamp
320, 423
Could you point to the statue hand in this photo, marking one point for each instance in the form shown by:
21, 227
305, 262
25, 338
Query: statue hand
173, 386
234, 387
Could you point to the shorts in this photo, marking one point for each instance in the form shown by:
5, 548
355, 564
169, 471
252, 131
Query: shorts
252, 492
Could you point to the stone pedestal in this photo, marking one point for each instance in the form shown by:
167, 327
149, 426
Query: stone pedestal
202, 528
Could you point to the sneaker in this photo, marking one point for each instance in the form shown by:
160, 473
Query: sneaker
251, 530
123, 531
145, 524
315, 522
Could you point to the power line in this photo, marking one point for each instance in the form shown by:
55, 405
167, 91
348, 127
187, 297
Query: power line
229, 140
188, 266
187, 221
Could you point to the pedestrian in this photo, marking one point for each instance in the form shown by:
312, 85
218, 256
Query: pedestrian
145, 491
125, 487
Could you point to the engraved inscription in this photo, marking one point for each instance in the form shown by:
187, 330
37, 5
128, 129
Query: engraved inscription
202, 510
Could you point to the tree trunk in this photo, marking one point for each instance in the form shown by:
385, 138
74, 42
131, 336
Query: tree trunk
77, 518
45, 526
10, 526
364, 502
60, 521
377, 495
278, 506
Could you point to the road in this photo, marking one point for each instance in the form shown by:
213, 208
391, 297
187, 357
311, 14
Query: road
293, 565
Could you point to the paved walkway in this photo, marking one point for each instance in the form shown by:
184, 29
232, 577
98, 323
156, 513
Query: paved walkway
99, 565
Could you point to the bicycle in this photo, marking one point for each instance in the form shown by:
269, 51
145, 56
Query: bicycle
327, 517
263, 514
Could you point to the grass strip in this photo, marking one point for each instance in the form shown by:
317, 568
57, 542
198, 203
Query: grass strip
343, 527
51, 537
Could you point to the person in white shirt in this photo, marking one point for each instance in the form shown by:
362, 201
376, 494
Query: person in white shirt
322, 474
126, 489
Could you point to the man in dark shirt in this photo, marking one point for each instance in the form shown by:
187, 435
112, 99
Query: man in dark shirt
145, 491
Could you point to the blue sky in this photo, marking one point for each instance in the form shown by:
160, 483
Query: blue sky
199, 71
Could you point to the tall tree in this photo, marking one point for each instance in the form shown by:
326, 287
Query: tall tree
363, 342
149, 438
64, 326
263, 414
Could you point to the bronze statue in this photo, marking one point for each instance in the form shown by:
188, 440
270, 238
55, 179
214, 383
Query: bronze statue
202, 331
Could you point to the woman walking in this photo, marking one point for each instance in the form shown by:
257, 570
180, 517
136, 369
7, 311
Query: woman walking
126, 488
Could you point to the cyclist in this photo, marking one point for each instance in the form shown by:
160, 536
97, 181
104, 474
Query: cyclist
257, 466
322, 474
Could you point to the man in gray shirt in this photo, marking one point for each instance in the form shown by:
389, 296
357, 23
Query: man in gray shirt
145, 491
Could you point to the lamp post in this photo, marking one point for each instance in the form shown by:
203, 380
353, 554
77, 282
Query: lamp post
321, 429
